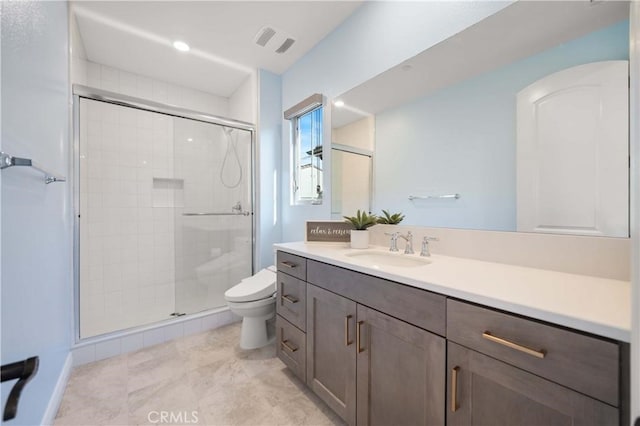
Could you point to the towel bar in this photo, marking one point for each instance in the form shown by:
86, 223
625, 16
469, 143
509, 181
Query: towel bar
433, 197
7, 161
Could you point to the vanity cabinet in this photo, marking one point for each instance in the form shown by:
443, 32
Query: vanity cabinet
291, 339
400, 372
513, 370
291, 347
584, 363
290, 303
331, 350
383, 353
371, 355
485, 391
371, 368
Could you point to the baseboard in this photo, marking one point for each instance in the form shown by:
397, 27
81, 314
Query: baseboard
58, 392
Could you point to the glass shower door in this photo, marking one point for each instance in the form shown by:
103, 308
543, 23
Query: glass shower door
211, 189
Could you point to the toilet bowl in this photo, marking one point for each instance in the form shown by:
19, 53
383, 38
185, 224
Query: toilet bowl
254, 299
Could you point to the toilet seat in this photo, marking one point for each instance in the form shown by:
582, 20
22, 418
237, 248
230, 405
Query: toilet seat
253, 304
260, 286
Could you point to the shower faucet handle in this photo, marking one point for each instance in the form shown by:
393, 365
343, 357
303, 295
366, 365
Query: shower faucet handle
237, 208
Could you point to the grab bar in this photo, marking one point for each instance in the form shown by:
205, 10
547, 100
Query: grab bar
7, 161
433, 197
217, 214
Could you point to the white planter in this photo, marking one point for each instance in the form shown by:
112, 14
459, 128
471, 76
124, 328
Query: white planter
360, 239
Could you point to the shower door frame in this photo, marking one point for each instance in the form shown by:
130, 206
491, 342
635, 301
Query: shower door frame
85, 92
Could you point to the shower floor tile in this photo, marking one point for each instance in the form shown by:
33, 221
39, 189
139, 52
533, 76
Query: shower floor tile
201, 379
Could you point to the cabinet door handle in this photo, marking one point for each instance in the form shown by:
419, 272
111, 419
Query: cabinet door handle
285, 345
358, 336
347, 342
538, 354
288, 298
288, 264
454, 388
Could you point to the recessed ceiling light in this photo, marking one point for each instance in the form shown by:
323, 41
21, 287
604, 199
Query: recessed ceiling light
189, 139
339, 104
181, 46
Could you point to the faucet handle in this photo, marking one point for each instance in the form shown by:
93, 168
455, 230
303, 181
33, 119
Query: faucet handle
394, 240
425, 245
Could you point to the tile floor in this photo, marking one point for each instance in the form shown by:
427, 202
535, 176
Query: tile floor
201, 379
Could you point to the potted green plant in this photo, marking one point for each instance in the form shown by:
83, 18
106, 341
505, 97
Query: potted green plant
360, 234
390, 219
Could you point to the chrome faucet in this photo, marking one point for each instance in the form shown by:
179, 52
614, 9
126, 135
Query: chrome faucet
425, 246
394, 240
408, 249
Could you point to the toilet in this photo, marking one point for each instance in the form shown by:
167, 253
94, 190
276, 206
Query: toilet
254, 299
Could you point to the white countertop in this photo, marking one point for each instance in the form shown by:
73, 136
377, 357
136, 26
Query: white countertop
591, 304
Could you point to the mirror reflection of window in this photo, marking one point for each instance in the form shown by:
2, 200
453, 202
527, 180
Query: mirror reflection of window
351, 161
350, 183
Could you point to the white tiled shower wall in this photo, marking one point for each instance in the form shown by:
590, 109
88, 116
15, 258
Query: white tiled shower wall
127, 226
137, 171
213, 253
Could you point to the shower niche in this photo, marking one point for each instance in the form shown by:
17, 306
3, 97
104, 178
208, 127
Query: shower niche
164, 202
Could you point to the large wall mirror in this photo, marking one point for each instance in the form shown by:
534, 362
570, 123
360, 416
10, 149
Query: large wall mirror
519, 123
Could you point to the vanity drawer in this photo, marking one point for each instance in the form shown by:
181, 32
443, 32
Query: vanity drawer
291, 303
419, 307
291, 347
583, 363
293, 265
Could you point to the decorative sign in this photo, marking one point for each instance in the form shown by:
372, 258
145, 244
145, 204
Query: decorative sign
328, 231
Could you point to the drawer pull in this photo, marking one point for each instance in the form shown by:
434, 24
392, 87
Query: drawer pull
288, 264
347, 342
285, 345
290, 299
538, 354
454, 389
358, 336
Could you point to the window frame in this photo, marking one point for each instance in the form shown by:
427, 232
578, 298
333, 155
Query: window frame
294, 114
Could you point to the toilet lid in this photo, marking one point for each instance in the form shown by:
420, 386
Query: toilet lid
259, 286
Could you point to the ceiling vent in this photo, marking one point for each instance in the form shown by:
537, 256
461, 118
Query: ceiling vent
264, 35
286, 45
274, 39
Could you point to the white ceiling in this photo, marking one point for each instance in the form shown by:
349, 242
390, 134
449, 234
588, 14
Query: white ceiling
137, 36
516, 32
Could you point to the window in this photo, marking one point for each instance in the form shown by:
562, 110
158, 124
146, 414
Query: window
306, 150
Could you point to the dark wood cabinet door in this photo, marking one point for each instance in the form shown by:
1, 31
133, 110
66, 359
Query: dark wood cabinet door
400, 372
484, 391
331, 352
292, 300
291, 347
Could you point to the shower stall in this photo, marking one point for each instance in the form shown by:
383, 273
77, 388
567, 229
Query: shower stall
164, 211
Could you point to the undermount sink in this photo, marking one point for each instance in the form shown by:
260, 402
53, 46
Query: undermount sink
376, 259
